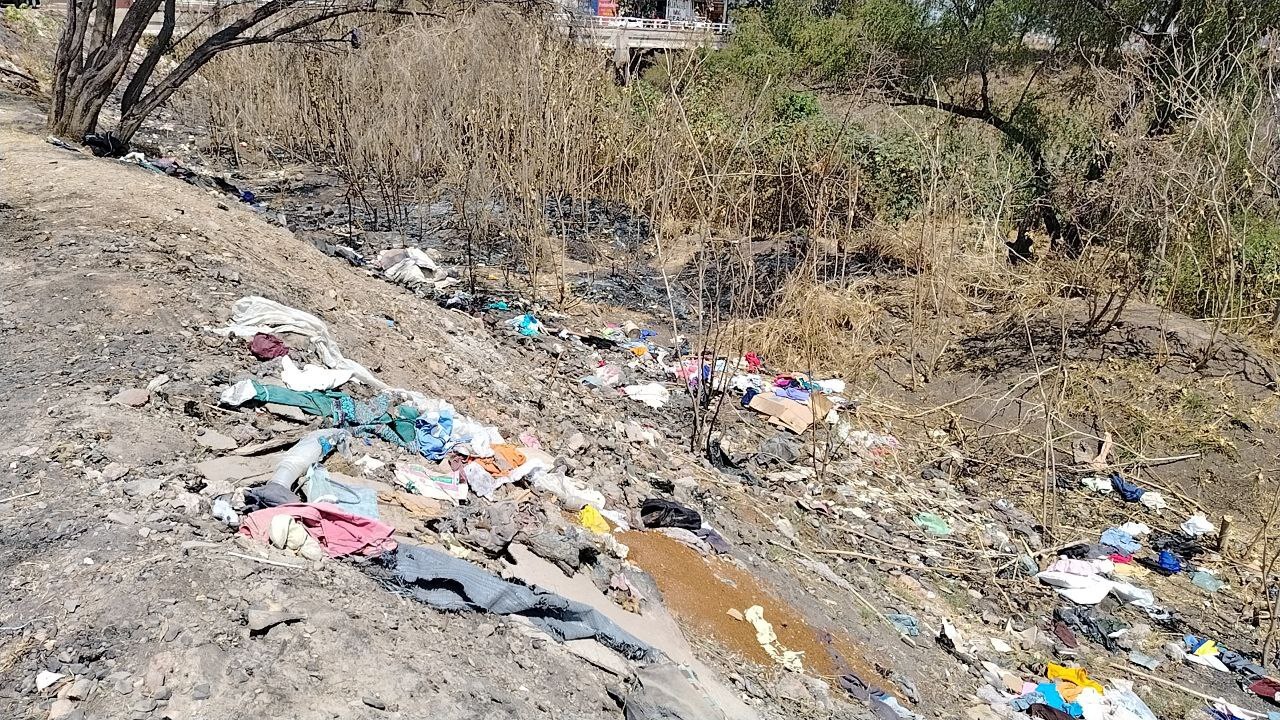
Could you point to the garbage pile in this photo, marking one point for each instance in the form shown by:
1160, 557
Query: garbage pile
410, 486
427, 496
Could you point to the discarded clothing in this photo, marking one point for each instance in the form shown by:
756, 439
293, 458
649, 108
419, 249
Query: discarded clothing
1168, 562
338, 532
447, 583
1075, 676
527, 325
1153, 500
1120, 540
656, 513
311, 377
655, 395
268, 496
506, 458
322, 488
371, 418
1044, 712
1266, 688
1090, 623
266, 347
255, 315
1126, 489
714, 539
591, 519
1207, 581
907, 624
1197, 525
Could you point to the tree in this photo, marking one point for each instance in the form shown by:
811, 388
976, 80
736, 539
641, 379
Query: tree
1015, 64
93, 57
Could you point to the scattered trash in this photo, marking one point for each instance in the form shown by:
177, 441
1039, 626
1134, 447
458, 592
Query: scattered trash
1207, 581
447, 583
1197, 525
906, 624
527, 325
657, 513
932, 524
655, 395
338, 533
789, 659
266, 347
591, 519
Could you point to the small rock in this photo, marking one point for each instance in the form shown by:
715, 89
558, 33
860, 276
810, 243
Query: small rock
145, 705
124, 686
133, 397
157, 381
171, 634
122, 518
114, 471
145, 487
61, 708
153, 681
576, 442
70, 605
791, 687
373, 702
216, 441
261, 620
163, 693
80, 689
200, 692
734, 613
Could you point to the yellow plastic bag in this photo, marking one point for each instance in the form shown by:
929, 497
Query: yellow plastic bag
591, 519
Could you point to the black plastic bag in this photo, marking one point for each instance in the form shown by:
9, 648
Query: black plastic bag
659, 513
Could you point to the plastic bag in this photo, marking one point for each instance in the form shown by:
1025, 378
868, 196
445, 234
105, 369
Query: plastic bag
657, 513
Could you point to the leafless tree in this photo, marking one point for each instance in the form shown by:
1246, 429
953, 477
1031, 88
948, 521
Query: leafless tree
94, 54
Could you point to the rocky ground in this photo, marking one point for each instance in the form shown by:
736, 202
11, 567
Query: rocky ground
125, 597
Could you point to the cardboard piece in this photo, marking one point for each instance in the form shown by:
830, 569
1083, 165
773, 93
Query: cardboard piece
790, 414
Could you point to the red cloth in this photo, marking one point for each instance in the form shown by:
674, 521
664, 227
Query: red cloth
1266, 687
1120, 558
338, 532
754, 362
265, 347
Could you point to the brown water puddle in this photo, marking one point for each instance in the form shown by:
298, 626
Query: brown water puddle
699, 591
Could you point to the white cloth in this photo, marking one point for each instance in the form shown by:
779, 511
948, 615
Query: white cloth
573, 493
1100, 485
1197, 525
1153, 500
1136, 529
252, 315
311, 377
655, 395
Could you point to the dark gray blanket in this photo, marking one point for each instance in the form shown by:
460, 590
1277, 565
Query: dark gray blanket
447, 583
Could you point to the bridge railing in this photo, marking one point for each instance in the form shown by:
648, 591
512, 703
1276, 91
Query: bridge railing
628, 23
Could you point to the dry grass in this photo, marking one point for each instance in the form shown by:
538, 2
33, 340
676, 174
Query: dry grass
821, 330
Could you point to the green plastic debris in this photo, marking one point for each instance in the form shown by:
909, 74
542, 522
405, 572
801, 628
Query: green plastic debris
933, 524
1207, 581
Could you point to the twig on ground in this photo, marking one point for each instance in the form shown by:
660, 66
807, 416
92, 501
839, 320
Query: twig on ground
267, 561
1176, 686
21, 495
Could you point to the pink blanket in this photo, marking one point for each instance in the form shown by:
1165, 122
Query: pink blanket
339, 533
